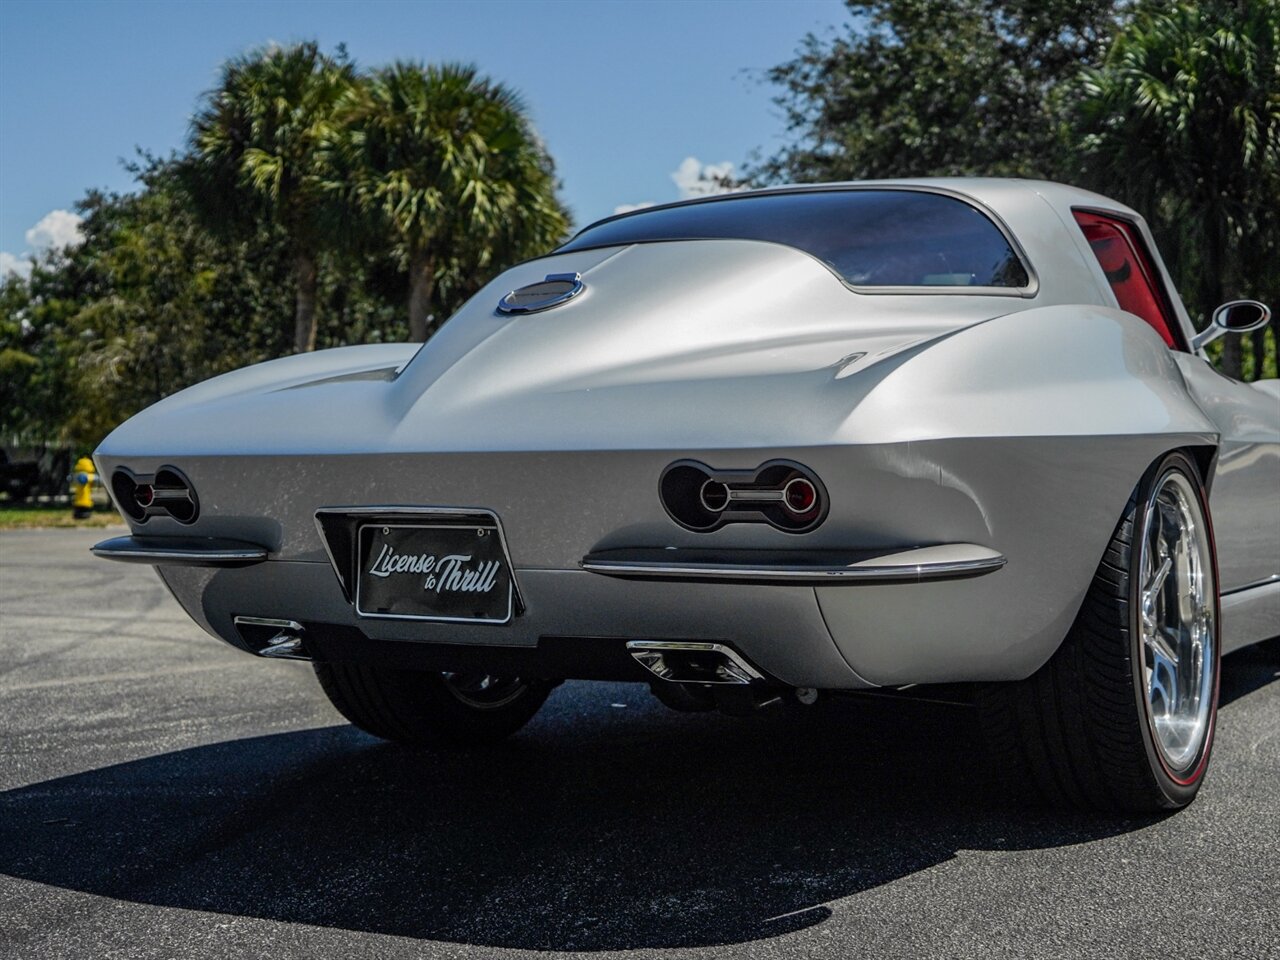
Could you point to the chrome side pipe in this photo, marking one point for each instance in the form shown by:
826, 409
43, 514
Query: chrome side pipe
274, 639
681, 661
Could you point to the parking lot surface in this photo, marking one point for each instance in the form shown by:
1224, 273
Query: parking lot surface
162, 795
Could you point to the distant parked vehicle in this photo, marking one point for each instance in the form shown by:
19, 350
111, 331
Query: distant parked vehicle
18, 479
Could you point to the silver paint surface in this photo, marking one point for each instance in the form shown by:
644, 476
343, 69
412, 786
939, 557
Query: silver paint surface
1020, 424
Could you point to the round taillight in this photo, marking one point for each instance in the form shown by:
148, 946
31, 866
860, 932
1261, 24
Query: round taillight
714, 496
144, 495
799, 495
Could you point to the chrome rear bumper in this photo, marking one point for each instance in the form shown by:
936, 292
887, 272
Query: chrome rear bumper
181, 551
805, 567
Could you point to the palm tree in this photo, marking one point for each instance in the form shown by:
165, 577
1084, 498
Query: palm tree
448, 161
258, 152
1183, 120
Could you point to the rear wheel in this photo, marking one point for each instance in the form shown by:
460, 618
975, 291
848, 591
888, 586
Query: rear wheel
420, 707
1122, 717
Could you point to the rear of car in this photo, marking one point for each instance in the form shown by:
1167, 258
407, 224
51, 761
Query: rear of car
744, 448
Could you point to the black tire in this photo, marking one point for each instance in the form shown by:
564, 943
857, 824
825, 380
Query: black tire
427, 709
1077, 730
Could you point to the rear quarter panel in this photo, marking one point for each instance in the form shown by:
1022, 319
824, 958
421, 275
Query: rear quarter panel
1040, 424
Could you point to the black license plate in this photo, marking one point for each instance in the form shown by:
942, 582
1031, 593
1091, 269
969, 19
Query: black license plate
423, 571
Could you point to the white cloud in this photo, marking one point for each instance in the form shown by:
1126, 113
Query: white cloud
57, 228
11, 264
693, 178
628, 207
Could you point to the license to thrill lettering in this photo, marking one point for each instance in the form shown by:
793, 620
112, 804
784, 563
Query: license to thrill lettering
450, 573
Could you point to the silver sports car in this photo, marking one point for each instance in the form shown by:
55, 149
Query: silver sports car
753, 448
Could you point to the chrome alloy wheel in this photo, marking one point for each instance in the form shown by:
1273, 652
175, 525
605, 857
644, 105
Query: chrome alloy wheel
483, 691
1178, 622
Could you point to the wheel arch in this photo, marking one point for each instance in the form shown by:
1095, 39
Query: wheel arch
1205, 457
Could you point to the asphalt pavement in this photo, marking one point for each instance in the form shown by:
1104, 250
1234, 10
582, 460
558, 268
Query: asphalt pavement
162, 795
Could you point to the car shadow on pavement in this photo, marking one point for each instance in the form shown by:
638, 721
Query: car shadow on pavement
594, 829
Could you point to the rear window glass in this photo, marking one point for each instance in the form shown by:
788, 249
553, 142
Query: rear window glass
872, 238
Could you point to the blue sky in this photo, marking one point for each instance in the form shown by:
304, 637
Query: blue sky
623, 92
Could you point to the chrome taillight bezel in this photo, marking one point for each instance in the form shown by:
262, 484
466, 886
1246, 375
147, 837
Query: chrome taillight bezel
165, 493
702, 498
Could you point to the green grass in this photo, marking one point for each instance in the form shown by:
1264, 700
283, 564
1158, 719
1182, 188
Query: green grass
30, 516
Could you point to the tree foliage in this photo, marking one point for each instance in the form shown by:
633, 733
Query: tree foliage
149, 302
152, 301
446, 161
934, 88
257, 155
437, 166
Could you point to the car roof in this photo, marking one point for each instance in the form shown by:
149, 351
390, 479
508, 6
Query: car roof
1036, 214
990, 192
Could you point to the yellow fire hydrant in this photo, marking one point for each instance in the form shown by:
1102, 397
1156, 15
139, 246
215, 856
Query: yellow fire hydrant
82, 488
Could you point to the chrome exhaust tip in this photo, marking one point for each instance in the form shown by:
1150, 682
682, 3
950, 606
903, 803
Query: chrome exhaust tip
713, 495
680, 661
274, 639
